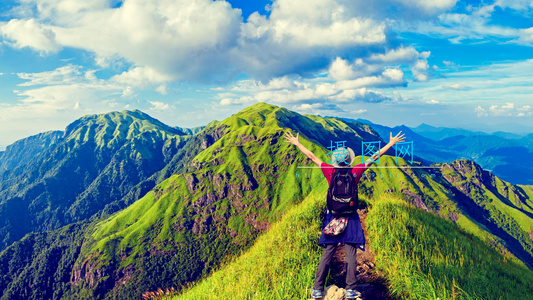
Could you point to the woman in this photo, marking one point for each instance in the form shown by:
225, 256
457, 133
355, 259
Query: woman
353, 235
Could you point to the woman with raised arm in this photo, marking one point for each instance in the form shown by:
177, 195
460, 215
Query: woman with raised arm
337, 228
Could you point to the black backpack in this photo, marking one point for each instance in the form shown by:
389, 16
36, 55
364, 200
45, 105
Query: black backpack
342, 193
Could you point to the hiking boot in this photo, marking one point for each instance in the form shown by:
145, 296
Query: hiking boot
316, 294
353, 294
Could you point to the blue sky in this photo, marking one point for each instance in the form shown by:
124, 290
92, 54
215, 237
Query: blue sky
441, 62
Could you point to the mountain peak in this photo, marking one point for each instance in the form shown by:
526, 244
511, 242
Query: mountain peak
105, 128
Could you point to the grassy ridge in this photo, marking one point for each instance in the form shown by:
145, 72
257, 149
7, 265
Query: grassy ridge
426, 257
281, 264
243, 182
421, 255
501, 207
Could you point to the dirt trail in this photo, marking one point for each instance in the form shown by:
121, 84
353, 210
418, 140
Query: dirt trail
370, 283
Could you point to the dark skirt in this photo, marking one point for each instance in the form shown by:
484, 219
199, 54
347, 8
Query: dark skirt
353, 234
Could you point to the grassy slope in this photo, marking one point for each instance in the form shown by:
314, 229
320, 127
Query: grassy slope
422, 255
245, 181
281, 264
239, 157
426, 257
497, 202
432, 189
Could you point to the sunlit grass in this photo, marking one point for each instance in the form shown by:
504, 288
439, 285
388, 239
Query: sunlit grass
426, 257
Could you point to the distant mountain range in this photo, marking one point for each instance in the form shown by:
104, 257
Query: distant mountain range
119, 204
502, 153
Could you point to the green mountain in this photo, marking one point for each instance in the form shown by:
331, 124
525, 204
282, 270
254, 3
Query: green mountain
209, 213
21, 152
55, 180
238, 179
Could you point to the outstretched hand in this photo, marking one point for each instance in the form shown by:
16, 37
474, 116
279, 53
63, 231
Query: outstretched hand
397, 139
291, 139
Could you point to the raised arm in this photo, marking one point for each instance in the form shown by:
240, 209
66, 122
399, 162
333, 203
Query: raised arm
393, 141
294, 140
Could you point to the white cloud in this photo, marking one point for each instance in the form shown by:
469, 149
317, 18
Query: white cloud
200, 40
433, 101
430, 5
162, 89
141, 77
480, 111
519, 5
298, 32
456, 86
52, 99
284, 91
474, 24
315, 107
507, 110
156, 105
399, 55
525, 36
62, 75
524, 108
30, 33
359, 111
182, 39
340, 69
508, 106
66, 88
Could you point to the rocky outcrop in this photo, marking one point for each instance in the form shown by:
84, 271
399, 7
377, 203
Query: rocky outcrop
89, 271
415, 199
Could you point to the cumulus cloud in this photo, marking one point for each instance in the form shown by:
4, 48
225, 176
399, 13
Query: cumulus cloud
399, 55
420, 70
525, 36
507, 110
156, 105
30, 33
181, 39
376, 63
524, 108
359, 111
199, 40
305, 107
299, 36
480, 111
141, 77
205, 40
286, 91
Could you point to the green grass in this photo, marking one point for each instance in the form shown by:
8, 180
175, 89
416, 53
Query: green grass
421, 255
426, 257
281, 264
